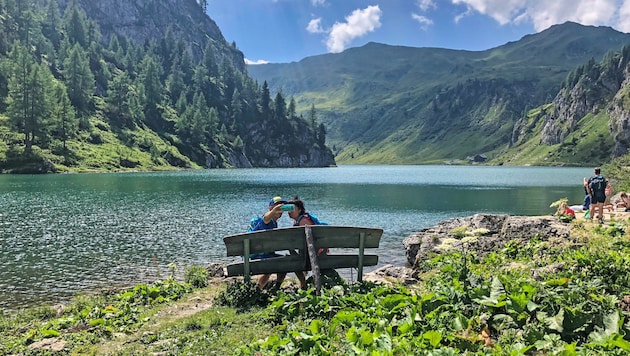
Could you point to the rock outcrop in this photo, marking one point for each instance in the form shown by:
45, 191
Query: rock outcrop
482, 233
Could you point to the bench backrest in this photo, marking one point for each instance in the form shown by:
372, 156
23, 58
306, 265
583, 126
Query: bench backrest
292, 238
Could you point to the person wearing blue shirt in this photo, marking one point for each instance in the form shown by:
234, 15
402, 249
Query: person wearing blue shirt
269, 221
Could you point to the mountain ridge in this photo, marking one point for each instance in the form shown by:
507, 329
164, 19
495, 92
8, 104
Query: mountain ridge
396, 96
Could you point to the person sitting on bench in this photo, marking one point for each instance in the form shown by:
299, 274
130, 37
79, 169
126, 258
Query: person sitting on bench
267, 222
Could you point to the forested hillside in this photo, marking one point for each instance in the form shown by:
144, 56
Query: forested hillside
392, 104
158, 88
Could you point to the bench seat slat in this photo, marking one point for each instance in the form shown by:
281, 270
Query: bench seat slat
287, 264
282, 264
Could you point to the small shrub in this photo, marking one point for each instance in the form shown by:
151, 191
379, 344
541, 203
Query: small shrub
243, 296
196, 276
460, 231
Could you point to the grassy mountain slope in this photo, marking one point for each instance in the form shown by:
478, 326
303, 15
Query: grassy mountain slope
392, 104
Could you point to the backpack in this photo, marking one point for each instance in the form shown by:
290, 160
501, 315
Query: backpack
313, 217
598, 186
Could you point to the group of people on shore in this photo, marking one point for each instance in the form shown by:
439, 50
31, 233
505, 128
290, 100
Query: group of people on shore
597, 198
297, 212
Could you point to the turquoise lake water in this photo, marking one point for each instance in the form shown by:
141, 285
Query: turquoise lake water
65, 234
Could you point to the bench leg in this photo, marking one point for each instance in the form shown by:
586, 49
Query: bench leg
312, 255
246, 275
361, 247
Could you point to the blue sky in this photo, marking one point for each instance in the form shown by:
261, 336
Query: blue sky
282, 31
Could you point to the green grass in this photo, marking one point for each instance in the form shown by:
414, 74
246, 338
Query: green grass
101, 149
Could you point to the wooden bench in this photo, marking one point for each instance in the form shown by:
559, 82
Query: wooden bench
303, 242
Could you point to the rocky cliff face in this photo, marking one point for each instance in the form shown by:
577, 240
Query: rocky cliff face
619, 112
283, 146
143, 20
593, 91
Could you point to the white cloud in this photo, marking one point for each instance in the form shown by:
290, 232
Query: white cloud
357, 24
260, 61
318, 2
426, 5
500, 10
544, 13
425, 22
315, 26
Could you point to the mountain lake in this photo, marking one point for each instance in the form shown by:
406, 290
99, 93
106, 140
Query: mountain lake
65, 234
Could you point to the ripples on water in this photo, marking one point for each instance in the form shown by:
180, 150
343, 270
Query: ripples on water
65, 234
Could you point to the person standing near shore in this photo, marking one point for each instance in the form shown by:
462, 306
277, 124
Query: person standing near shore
597, 190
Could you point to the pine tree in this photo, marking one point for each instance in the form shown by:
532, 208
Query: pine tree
116, 101
280, 107
312, 117
150, 86
291, 111
236, 108
79, 78
51, 24
29, 99
75, 23
204, 5
175, 83
265, 102
64, 121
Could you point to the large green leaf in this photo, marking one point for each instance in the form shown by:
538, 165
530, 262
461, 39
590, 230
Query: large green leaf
611, 327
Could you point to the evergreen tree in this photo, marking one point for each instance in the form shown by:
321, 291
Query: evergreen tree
280, 107
265, 102
150, 86
236, 108
238, 143
29, 104
167, 50
75, 23
312, 117
321, 135
228, 79
186, 65
64, 121
209, 61
291, 110
22, 13
175, 82
52, 23
117, 98
204, 5
79, 78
